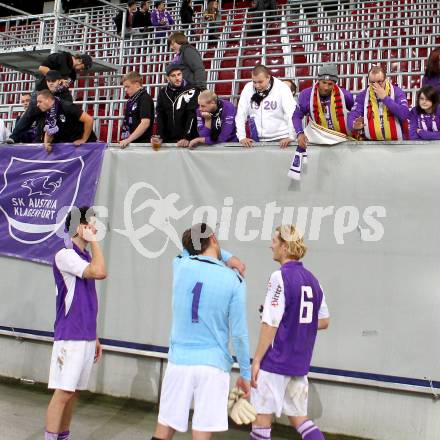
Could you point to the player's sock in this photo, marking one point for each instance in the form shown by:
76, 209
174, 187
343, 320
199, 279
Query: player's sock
295, 168
50, 435
64, 435
309, 431
304, 156
258, 433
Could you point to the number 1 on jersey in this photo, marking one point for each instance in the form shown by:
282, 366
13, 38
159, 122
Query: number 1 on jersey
195, 302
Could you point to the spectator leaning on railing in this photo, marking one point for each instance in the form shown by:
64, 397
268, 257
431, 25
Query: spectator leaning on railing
432, 72
139, 112
267, 104
176, 109
57, 86
325, 103
65, 122
29, 136
189, 59
67, 65
381, 110
215, 120
424, 120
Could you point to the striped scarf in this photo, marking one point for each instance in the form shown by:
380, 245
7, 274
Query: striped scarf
50, 125
387, 128
338, 109
423, 117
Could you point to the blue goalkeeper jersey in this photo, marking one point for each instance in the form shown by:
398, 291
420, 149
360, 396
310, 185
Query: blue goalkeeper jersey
209, 311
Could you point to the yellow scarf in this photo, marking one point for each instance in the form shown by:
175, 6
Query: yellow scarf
334, 114
376, 115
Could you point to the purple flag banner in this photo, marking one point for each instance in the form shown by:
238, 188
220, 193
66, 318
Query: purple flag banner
37, 190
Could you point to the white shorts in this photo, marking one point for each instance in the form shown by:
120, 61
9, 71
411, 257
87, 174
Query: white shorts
71, 365
208, 386
276, 394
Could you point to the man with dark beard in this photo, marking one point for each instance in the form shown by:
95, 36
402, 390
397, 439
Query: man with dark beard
176, 109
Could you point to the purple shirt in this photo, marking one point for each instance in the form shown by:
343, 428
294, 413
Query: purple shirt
157, 17
433, 81
429, 124
398, 107
294, 304
303, 108
77, 302
227, 125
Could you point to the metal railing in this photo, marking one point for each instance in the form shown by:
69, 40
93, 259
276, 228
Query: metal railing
294, 45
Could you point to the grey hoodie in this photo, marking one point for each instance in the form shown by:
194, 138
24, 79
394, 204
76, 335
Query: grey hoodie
193, 69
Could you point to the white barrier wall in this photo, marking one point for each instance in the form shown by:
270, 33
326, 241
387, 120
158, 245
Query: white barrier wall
370, 216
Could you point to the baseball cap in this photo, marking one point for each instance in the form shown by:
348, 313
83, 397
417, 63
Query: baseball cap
172, 67
53, 75
87, 61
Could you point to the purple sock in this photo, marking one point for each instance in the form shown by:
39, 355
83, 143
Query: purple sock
309, 431
50, 435
64, 435
259, 433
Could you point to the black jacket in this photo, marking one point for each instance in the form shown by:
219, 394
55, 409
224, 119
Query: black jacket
186, 14
118, 21
142, 20
60, 61
176, 113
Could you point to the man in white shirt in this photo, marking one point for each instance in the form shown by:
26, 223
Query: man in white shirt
267, 104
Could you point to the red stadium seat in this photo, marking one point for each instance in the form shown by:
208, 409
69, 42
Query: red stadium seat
251, 62
301, 71
224, 88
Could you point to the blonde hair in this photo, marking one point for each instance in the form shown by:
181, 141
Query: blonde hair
289, 235
207, 96
133, 77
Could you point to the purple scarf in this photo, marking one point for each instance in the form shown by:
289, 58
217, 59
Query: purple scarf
216, 121
51, 127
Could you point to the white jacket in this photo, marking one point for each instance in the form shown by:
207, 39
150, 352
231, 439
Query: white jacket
273, 118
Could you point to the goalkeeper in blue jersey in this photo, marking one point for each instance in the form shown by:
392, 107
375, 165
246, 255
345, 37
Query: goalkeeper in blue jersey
209, 311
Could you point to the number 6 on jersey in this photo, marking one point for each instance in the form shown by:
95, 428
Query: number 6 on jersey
306, 307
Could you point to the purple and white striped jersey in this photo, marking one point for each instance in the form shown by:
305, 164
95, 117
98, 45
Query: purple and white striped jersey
77, 302
294, 303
